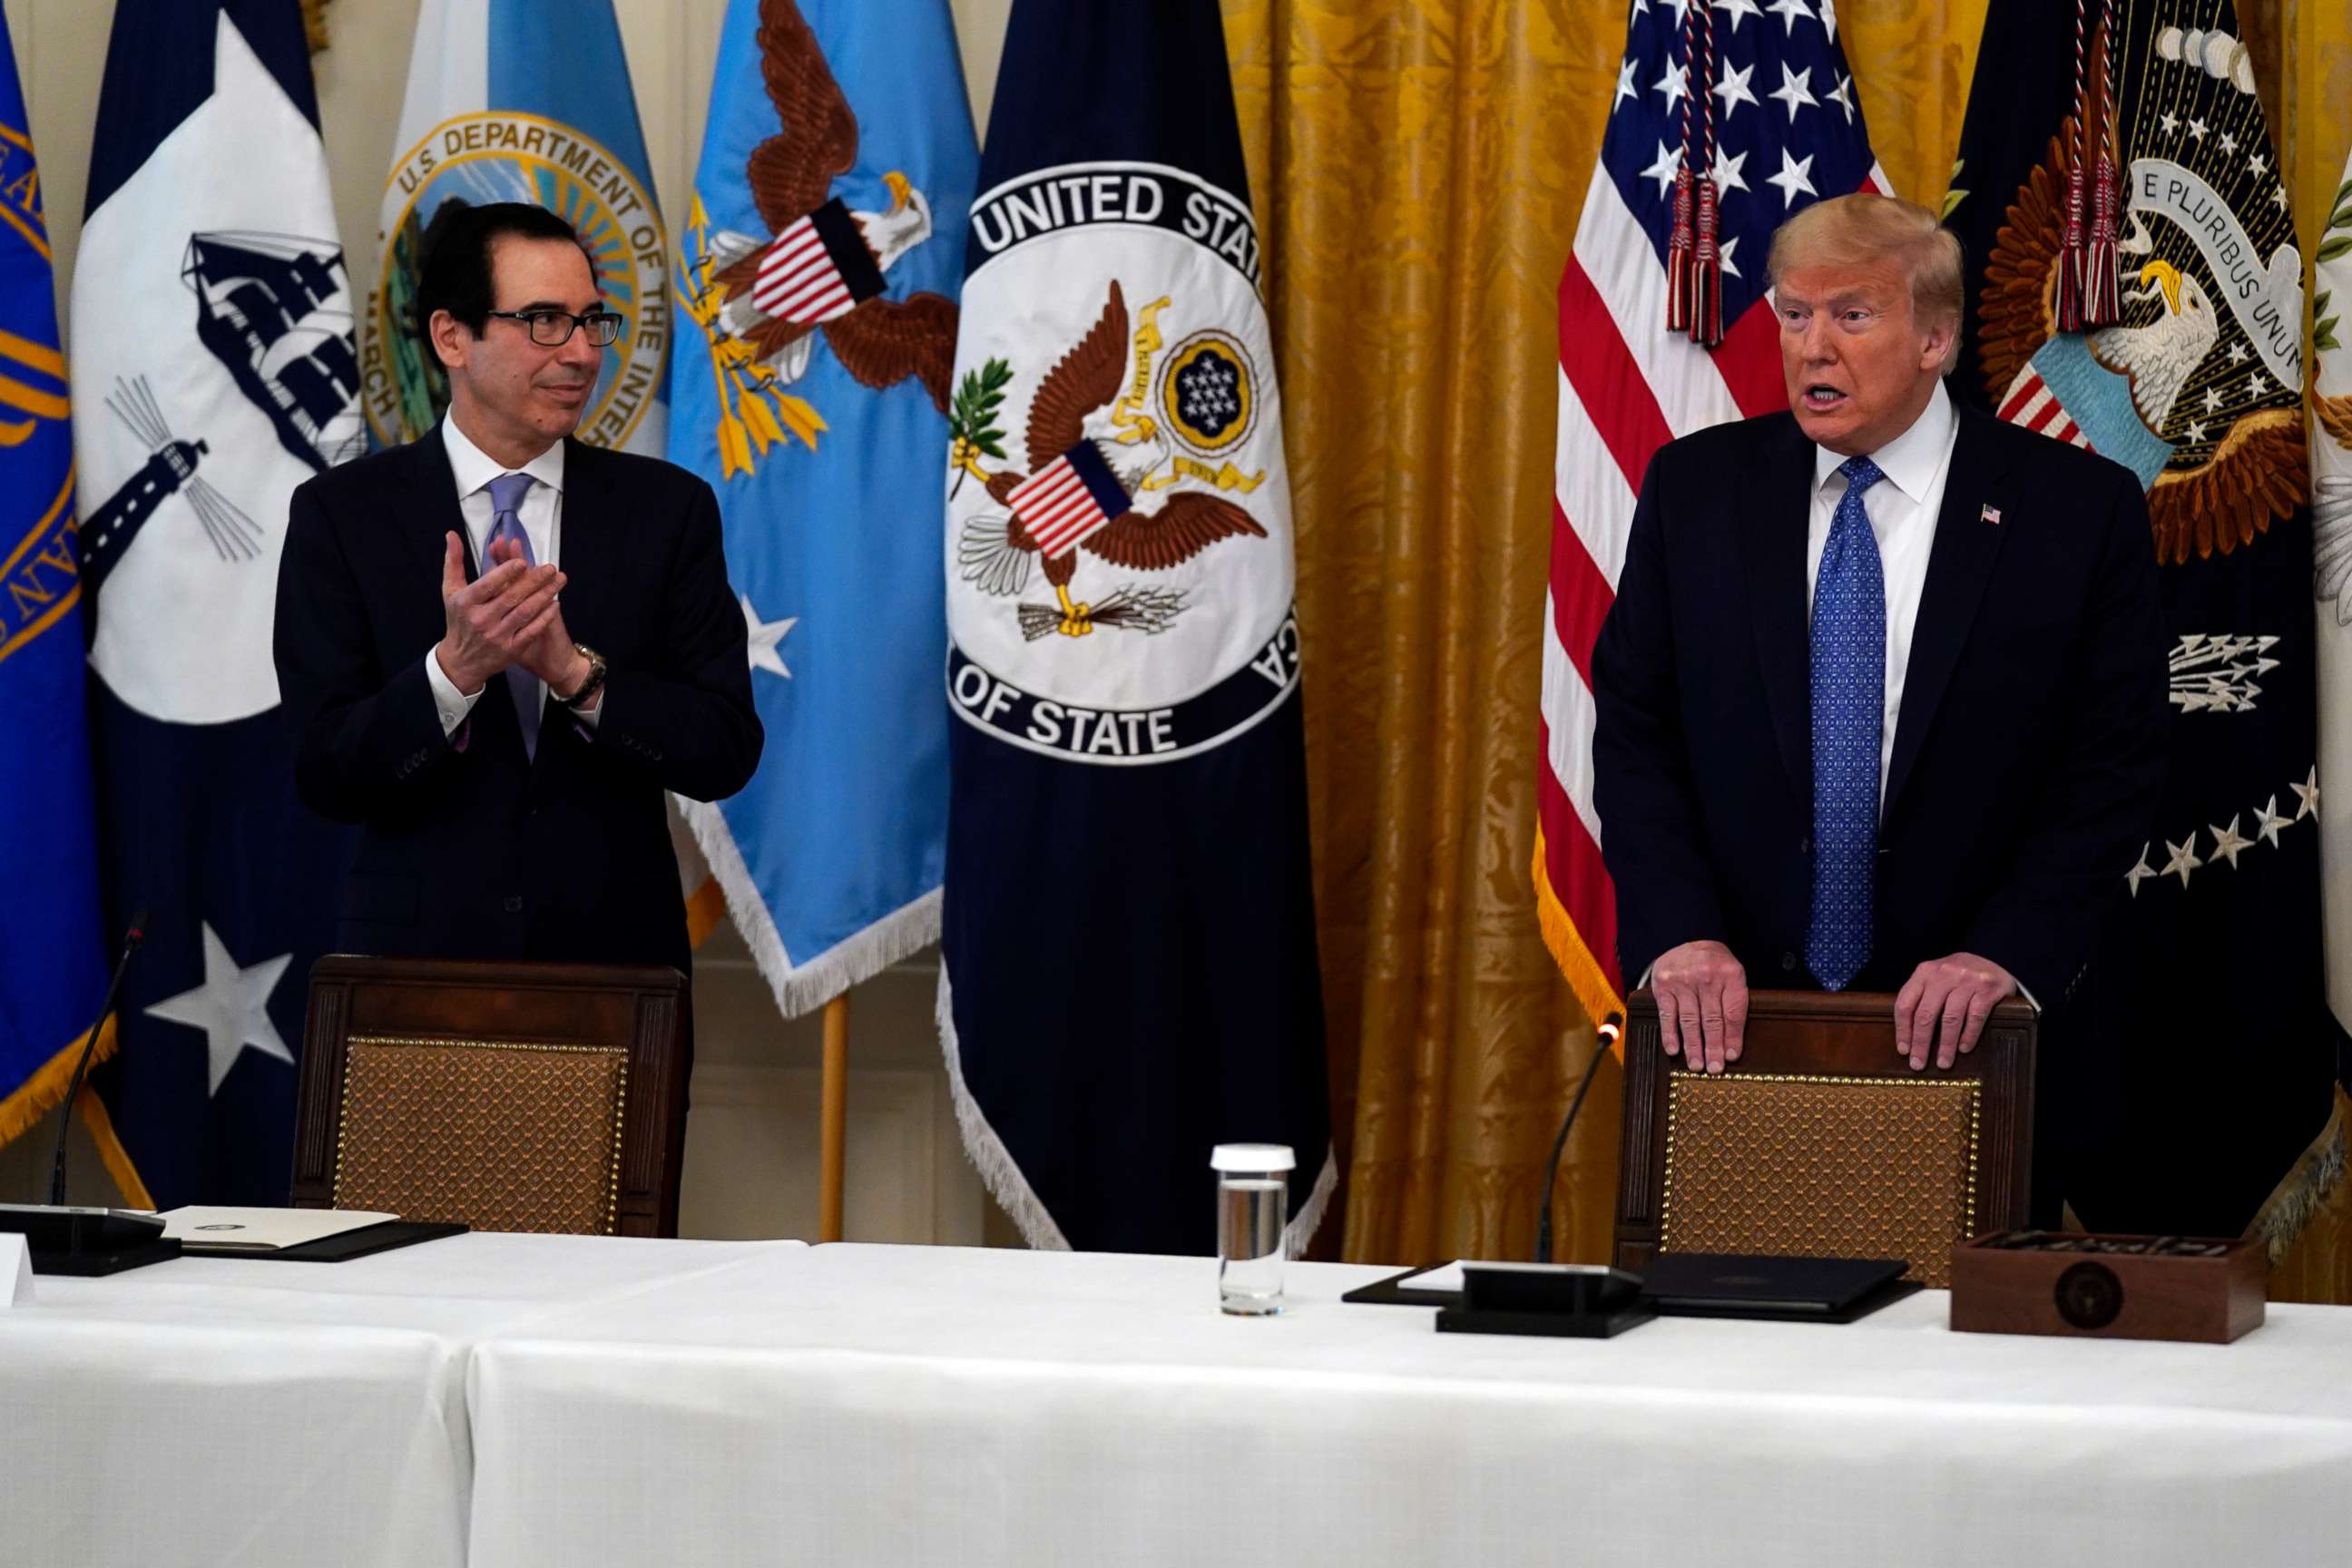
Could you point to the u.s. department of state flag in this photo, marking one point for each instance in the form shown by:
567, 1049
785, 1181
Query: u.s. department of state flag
523, 101
1129, 973
817, 273
1770, 91
213, 369
2208, 1038
51, 976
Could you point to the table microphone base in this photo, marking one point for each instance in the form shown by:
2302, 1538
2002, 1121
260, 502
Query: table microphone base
87, 1242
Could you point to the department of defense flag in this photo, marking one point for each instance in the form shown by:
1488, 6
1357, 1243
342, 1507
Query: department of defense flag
817, 271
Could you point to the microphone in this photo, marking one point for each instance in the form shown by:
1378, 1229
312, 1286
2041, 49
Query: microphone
130, 941
1612, 1028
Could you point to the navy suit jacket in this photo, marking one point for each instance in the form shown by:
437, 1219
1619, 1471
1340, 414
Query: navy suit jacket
469, 850
2029, 755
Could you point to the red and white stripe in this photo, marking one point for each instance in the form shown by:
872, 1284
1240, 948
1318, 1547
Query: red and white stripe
798, 281
1054, 505
1627, 386
2031, 404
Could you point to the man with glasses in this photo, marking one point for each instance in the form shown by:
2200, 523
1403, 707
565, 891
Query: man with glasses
499, 646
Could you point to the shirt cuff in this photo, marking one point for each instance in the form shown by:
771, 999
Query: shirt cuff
452, 704
591, 717
2030, 1002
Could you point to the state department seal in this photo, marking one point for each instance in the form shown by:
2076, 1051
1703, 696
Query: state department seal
1145, 487
502, 155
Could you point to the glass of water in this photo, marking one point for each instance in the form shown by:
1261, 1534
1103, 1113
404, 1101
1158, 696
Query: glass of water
1253, 1201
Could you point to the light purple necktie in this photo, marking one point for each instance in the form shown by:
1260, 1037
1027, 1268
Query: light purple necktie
506, 523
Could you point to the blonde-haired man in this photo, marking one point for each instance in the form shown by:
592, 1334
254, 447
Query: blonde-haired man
1881, 698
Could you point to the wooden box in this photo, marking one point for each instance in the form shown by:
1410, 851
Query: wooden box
2109, 1287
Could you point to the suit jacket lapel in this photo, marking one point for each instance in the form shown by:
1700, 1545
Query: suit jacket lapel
1958, 566
434, 486
1778, 509
589, 550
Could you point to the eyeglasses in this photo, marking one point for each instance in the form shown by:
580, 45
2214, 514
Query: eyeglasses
553, 328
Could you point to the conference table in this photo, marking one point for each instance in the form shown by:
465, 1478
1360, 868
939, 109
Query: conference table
765, 1403
213, 1410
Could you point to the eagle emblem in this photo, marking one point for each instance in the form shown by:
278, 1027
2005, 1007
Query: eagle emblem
820, 271
2179, 390
1094, 459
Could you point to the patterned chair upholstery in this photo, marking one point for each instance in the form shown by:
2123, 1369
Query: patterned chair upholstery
507, 1096
1820, 1141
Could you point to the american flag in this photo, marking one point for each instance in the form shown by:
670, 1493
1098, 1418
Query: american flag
1766, 87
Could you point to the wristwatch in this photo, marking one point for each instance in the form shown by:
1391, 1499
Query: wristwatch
590, 687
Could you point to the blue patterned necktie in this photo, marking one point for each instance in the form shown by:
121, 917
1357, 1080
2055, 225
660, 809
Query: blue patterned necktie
1849, 655
506, 523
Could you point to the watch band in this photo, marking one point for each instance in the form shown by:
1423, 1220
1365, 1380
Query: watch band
594, 684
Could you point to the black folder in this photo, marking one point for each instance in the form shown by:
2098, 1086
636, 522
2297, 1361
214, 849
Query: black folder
1790, 1289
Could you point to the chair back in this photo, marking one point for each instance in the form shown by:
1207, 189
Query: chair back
518, 1097
1821, 1141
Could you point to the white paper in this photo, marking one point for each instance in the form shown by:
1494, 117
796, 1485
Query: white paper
203, 1227
16, 1269
1444, 1277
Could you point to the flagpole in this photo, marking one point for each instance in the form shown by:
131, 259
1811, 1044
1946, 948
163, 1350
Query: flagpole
834, 1128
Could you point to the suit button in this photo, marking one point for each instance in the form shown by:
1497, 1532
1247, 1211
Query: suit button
1787, 962
514, 903
1805, 845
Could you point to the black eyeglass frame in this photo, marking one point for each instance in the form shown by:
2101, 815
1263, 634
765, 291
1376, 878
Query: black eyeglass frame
609, 322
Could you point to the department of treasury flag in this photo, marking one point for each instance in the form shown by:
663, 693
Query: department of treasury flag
1726, 121
523, 101
51, 962
2202, 1029
1130, 968
2331, 527
214, 370
818, 273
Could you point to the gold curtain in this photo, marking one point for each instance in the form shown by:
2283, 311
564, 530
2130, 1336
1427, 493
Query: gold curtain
1418, 166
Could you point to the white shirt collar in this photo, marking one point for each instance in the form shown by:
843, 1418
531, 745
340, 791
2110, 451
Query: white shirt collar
1911, 460
473, 468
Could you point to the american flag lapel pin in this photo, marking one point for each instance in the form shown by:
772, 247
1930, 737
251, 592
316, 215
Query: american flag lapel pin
1992, 514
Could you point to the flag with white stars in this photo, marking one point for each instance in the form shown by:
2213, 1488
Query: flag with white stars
816, 401
1758, 100
2206, 1033
213, 370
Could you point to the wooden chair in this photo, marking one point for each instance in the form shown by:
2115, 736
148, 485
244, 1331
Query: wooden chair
532, 1097
1820, 1141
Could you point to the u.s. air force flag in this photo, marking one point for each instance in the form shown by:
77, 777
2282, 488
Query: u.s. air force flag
214, 371
1129, 973
817, 274
523, 101
50, 975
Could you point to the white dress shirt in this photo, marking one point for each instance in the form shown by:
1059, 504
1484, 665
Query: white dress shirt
542, 523
1902, 509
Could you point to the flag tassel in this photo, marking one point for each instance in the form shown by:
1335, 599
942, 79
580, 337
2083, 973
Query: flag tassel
2102, 293
1706, 269
1678, 258
2068, 306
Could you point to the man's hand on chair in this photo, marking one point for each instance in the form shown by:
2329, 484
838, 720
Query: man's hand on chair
1945, 1004
1702, 995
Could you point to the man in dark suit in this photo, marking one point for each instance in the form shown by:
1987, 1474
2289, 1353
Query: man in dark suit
499, 646
1882, 699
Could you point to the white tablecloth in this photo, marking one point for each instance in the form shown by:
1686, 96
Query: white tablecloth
870, 1405
236, 1411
